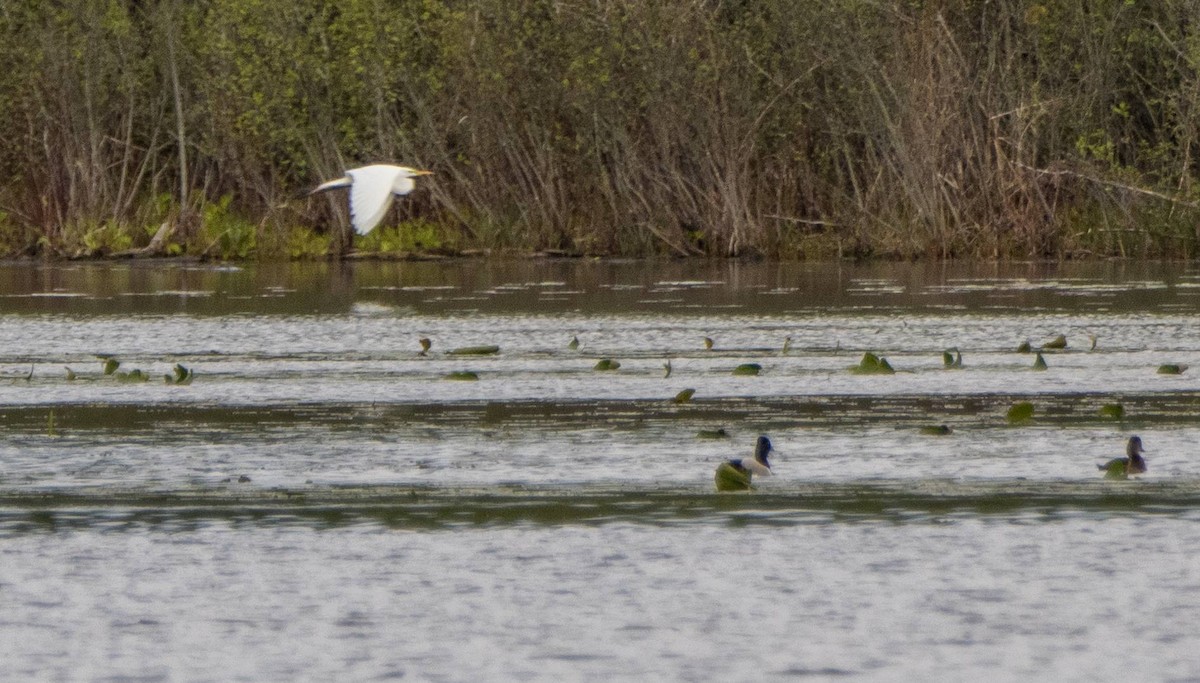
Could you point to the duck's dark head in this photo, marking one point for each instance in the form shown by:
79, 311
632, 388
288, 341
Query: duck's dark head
1134, 447
762, 449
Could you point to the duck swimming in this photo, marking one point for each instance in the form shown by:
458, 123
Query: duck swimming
1132, 463
735, 475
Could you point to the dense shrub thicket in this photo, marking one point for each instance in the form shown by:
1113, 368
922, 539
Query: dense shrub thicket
787, 128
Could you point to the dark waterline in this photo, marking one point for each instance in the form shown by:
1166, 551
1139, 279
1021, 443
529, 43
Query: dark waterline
597, 286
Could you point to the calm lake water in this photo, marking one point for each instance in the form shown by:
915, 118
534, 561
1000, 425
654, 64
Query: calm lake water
321, 502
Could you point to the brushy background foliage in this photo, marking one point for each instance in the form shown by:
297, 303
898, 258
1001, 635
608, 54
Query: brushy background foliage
782, 128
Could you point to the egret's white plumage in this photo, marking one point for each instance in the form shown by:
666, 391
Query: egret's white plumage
371, 191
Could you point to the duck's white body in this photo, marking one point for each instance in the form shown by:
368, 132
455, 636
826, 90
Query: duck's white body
371, 191
735, 475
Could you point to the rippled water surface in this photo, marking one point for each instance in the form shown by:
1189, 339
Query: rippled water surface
322, 503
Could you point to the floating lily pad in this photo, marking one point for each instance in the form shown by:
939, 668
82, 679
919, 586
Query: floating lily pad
729, 479
1115, 411
718, 433
111, 365
1172, 369
463, 376
475, 350
872, 364
182, 376
952, 359
1059, 342
1020, 412
747, 369
606, 364
684, 396
134, 375
1040, 363
936, 430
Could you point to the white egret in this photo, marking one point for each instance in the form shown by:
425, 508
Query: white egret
371, 190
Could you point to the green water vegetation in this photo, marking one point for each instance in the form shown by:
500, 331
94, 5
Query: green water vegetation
181, 376
1112, 411
606, 364
1117, 469
1172, 369
898, 128
71, 376
1024, 347
952, 359
728, 478
684, 396
718, 433
871, 364
486, 350
667, 369
1056, 344
463, 376
1039, 363
747, 370
574, 344
787, 346
110, 365
426, 344
135, 375
1094, 340
936, 430
1020, 412
50, 426
708, 344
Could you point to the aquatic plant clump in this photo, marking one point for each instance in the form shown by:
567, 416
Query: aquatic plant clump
872, 364
727, 478
684, 396
1020, 412
485, 350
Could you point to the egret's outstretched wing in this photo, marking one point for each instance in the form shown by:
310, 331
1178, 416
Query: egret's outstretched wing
371, 195
334, 184
403, 185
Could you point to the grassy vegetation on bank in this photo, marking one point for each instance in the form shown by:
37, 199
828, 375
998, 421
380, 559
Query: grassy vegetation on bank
786, 128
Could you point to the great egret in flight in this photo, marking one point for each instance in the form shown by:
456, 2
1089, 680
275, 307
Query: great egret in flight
371, 190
